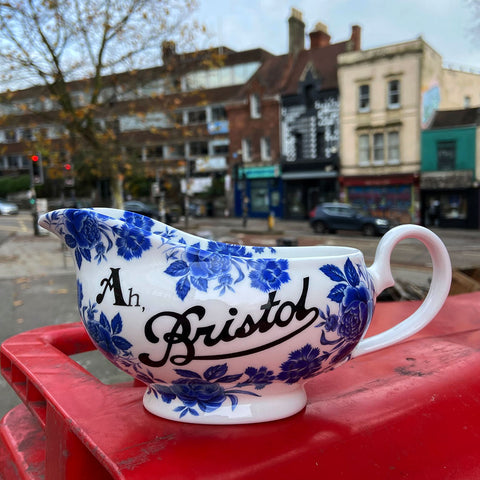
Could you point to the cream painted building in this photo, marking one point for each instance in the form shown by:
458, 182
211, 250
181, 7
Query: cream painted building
387, 96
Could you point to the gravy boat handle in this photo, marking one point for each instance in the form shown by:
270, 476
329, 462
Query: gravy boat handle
381, 274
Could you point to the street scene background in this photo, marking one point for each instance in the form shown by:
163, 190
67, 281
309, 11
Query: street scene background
38, 286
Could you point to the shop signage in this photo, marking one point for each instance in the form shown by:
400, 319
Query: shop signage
270, 171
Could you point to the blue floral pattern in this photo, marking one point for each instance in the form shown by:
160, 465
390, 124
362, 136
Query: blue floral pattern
207, 392
302, 364
223, 266
219, 267
87, 236
352, 293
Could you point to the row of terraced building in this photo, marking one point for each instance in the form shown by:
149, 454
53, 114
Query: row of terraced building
390, 128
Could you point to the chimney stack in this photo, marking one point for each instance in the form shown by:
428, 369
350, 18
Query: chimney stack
355, 42
296, 32
319, 37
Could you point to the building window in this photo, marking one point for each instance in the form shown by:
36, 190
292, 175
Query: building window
198, 148
320, 143
10, 136
298, 146
12, 161
393, 145
446, 153
394, 94
265, 148
155, 151
364, 98
197, 116
255, 110
27, 134
378, 149
220, 149
218, 113
246, 150
176, 150
467, 102
364, 149
309, 96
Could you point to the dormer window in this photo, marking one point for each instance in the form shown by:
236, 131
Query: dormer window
255, 106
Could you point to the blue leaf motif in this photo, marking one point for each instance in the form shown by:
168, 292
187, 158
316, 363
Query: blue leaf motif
178, 268
121, 343
86, 254
78, 258
351, 273
234, 400
337, 292
230, 378
183, 287
70, 241
200, 283
117, 324
187, 373
333, 272
216, 372
104, 322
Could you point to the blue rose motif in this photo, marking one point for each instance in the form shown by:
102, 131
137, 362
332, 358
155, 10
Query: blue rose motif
83, 229
229, 249
132, 242
355, 311
205, 392
139, 221
83, 234
268, 274
106, 334
207, 264
207, 396
260, 377
303, 363
353, 294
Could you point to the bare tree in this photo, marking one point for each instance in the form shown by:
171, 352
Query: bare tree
66, 45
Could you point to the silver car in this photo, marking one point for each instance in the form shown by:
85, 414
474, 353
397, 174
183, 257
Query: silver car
7, 208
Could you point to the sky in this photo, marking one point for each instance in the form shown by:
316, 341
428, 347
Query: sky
446, 25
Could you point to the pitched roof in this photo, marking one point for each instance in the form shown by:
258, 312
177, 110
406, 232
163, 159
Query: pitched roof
281, 74
456, 118
323, 60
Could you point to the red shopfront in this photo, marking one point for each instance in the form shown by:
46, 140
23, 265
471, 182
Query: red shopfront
392, 196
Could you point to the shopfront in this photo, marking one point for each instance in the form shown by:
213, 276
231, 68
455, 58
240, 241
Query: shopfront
260, 188
449, 200
306, 189
395, 197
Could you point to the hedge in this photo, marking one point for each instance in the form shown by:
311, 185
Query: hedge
14, 184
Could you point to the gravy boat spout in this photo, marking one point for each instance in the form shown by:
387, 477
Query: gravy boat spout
223, 333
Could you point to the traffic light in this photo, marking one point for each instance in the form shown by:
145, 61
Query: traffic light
36, 170
69, 181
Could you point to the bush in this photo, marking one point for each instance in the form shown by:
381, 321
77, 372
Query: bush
9, 185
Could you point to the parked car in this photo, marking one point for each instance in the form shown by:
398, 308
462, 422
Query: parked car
8, 208
330, 217
136, 206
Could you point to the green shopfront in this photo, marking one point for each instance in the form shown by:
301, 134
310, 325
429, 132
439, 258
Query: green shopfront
450, 195
260, 187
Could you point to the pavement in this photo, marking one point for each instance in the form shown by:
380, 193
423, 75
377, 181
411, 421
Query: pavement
38, 287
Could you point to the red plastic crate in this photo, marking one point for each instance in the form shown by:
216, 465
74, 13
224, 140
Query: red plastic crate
409, 411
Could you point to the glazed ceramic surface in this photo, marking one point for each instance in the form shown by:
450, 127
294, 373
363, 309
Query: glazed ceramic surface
225, 333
